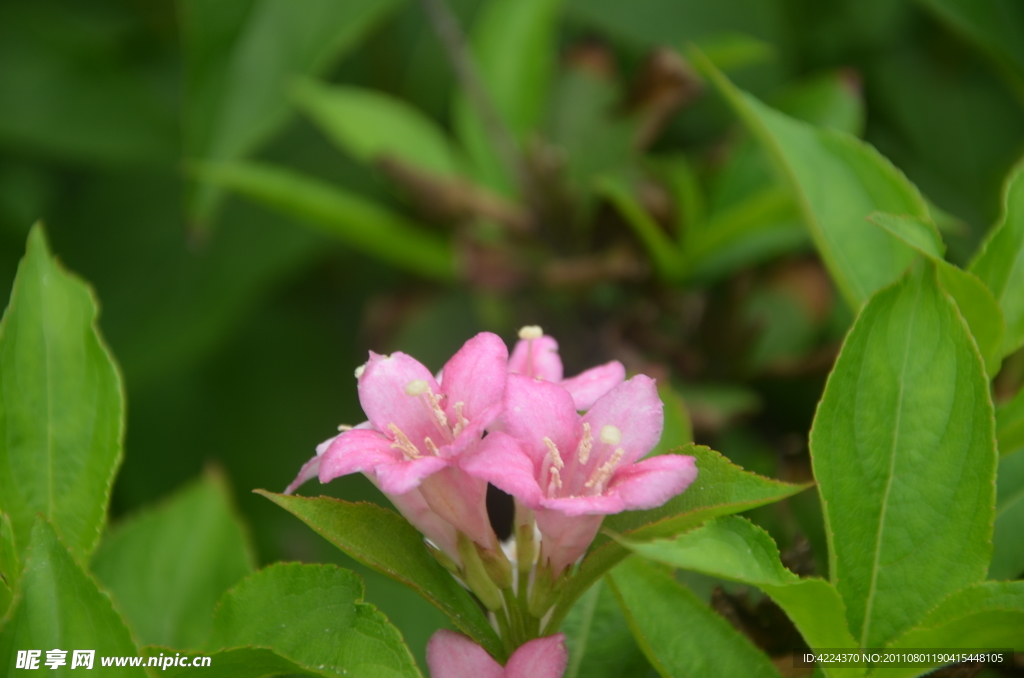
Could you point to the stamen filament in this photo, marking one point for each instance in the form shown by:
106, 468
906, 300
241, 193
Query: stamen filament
403, 444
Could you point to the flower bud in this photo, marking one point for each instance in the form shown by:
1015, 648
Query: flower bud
475, 574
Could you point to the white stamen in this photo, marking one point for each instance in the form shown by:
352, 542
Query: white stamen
555, 483
416, 387
360, 370
531, 332
586, 444
556, 458
345, 427
611, 435
603, 473
431, 447
403, 444
437, 410
462, 422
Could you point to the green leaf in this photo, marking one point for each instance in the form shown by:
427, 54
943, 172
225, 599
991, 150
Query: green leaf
734, 548
903, 448
599, 640
721, 488
385, 541
514, 42
61, 404
830, 100
975, 302
731, 51
985, 616
664, 253
678, 431
1000, 261
1010, 425
10, 564
838, 181
996, 26
1007, 545
371, 125
240, 58
60, 606
168, 567
664, 616
352, 219
314, 616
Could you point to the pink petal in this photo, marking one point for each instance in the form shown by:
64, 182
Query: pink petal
501, 461
598, 505
356, 451
309, 470
586, 387
651, 482
475, 375
538, 409
398, 477
470, 437
565, 539
539, 658
537, 358
460, 499
432, 526
382, 393
636, 410
453, 655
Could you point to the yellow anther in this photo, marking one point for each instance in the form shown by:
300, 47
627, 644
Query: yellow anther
435, 407
556, 458
586, 444
555, 483
416, 387
611, 435
360, 370
431, 447
403, 444
531, 332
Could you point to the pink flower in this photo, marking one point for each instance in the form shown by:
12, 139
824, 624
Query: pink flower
573, 470
418, 428
536, 355
452, 655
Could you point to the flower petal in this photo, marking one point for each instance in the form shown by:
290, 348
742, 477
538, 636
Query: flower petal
651, 482
586, 387
636, 410
414, 507
309, 470
565, 539
460, 499
539, 658
398, 477
453, 655
501, 461
356, 451
475, 376
535, 410
537, 358
382, 393
598, 505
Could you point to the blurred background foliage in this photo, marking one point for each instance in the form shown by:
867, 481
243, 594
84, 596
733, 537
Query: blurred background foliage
262, 190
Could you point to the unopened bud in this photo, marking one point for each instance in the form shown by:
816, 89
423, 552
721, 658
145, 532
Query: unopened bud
525, 548
497, 566
542, 595
440, 556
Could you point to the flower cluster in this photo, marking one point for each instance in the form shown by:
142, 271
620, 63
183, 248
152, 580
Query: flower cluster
568, 450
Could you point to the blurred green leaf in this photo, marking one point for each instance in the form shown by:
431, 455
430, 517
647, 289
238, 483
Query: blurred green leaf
838, 181
240, 57
6, 597
996, 26
1010, 424
373, 125
1007, 545
599, 640
664, 614
973, 299
988, 615
677, 431
292, 616
734, 548
67, 90
829, 100
732, 51
385, 541
61, 404
721, 488
10, 563
906, 408
168, 567
60, 606
514, 42
663, 252
357, 222
1000, 261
